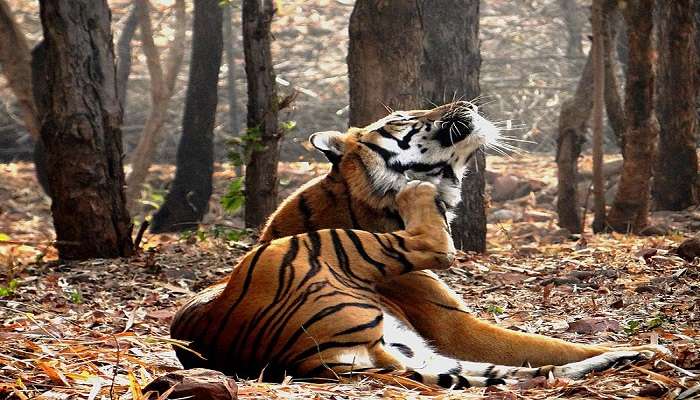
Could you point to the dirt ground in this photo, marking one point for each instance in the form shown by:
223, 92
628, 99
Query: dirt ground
99, 329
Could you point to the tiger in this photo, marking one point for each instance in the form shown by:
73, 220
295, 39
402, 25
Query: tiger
307, 306
351, 220
368, 167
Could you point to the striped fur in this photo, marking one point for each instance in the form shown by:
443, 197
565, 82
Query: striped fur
359, 193
323, 295
307, 306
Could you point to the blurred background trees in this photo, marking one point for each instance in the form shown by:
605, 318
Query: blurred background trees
530, 62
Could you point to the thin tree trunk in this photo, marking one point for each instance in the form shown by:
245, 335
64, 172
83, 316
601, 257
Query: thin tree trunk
630, 209
124, 55
162, 88
263, 105
82, 131
676, 167
598, 100
383, 64
574, 26
573, 121
234, 119
450, 67
15, 60
613, 102
188, 199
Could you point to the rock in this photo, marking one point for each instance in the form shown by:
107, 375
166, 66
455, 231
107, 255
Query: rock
509, 187
689, 249
652, 390
594, 325
655, 230
195, 384
538, 216
503, 215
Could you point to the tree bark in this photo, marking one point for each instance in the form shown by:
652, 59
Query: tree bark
598, 100
162, 88
613, 102
449, 66
81, 131
188, 198
573, 121
574, 26
124, 55
630, 209
263, 105
230, 53
15, 60
676, 166
385, 53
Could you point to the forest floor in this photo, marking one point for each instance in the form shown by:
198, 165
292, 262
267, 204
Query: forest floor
99, 329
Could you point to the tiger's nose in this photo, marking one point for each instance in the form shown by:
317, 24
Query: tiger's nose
438, 112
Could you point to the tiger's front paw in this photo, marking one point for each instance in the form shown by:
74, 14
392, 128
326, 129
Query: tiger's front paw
415, 194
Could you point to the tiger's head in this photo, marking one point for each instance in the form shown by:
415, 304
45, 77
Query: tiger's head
430, 145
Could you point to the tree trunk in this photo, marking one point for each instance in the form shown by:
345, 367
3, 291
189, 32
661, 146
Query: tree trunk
40, 93
230, 53
573, 121
385, 53
188, 198
81, 131
574, 26
613, 102
263, 104
234, 119
162, 88
630, 209
450, 67
598, 100
15, 63
124, 55
676, 167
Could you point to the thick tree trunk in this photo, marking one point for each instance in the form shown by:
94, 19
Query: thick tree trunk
598, 100
384, 59
630, 209
573, 121
676, 167
81, 131
263, 105
188, 198
162, 88
40, 93
450, 67
15, 62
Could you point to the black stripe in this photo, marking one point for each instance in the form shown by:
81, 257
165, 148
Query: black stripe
321, 315
462, 383
445, 380
322, 347
488, 372
400, 241
283, 287
342, 257
359, 328
246, 284
306, 213
389, 251
282, 320
385, 154
495, 381
403, 349
361, 250
415, 376
314, 254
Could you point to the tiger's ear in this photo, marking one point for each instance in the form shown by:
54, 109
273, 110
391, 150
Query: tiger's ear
330, 143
